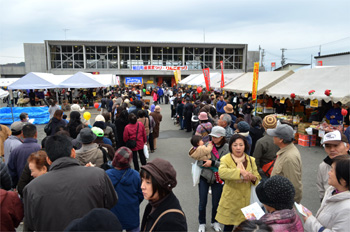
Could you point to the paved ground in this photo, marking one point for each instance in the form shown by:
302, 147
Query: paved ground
173, 145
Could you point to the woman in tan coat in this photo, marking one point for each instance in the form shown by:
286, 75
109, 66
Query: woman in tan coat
157, 118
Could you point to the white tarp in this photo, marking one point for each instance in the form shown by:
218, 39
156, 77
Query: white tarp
337, 79
200, 81
228, 78
87, 80
36, 80
3, 93
187, 79
7, 81
244, 84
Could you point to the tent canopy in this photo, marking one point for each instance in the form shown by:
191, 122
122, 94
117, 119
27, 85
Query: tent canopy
7, 81
86, 80
36, 80
200, 81
337, 79
3, 93
244, 83
187, 79
229, 77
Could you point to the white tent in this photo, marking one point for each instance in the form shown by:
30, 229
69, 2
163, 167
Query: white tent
228, 78
244, 84
87, 80
200, 81
337, 79
36, 80
187, 79
7, 81
3, 93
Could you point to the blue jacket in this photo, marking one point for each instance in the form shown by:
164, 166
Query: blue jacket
18, 158
220, 106
129, 196
160, 92
338, 117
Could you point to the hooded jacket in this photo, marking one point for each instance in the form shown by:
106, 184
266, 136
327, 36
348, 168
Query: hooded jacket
68, 191
283, 220
333, 215
90, 153
11, 210
128, 188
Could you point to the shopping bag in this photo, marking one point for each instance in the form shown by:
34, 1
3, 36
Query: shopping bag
145, 151
196, 173
253, 197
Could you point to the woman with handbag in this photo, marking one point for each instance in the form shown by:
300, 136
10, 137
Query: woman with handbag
135, 138
239, 172
164, 212
127, 184
209, 178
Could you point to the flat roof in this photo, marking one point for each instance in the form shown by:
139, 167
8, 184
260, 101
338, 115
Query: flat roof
143, 43
334, 54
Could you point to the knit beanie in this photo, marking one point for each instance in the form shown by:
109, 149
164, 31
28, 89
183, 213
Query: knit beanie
122, 158
277, 192
100, 118
243, 126
163, 172
269, 122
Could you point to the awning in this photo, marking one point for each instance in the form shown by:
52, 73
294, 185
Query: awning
7, 81
244, 83
3, 93
36, 80
228, 78
336, 79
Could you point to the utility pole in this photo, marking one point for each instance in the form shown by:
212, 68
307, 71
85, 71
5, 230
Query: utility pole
262, 57
65, 33
319, 53
204, 34
283, 59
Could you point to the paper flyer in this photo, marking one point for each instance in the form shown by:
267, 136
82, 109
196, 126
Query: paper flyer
253, 211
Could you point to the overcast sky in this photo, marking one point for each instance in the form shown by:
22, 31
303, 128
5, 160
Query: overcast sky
271, 24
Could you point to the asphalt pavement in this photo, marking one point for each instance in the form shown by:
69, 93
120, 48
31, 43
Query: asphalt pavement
173, 145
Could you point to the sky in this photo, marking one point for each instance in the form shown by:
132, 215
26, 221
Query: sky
302, 27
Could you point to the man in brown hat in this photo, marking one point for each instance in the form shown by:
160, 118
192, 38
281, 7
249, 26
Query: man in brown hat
265, 150
229, 110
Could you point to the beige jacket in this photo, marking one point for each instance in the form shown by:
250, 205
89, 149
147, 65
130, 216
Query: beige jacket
201, 152
90, 153
288, 164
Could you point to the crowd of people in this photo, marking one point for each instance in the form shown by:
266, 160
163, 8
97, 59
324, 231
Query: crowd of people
85, 175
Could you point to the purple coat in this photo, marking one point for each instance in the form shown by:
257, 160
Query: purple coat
283, 220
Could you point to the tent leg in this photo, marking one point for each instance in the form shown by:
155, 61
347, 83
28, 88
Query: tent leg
11, 102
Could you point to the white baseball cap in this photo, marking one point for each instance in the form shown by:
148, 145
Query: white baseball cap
334, 137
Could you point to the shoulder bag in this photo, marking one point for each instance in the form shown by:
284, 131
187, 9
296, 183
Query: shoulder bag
131, 143
105, 165
165, 212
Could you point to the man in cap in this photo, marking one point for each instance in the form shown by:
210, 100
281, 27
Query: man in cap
335, 144
265, 149
68, 191
13, 140
19, 155
188, 110
24, 117
90, 151
288, 161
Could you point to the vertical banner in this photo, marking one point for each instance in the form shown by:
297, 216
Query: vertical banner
255, 80
177, 75
222, 84
206, 73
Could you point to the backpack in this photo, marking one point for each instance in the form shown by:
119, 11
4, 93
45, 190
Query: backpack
105, 165
48, 128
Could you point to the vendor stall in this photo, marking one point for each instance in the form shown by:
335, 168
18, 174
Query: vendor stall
35, 80
87, 80
215, 81
187, 79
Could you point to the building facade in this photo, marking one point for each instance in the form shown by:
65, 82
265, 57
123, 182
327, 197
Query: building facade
333, 59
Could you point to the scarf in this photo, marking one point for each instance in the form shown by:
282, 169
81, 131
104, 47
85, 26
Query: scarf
239, 161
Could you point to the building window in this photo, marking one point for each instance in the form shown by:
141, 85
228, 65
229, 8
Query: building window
112, 57
232, 58
67, 57
124, 57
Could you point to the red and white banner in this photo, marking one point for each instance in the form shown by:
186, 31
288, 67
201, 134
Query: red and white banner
222, 84
158, 67
206, 73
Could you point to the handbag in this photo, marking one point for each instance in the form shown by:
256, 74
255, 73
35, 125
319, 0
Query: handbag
145, 151
165, 212
131, 143
196, 173
48, 128
267, 168
253, 197
105, 165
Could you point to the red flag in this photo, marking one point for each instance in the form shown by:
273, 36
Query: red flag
222, 84
206, 73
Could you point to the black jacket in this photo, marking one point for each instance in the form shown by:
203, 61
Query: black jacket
57, 123
67, 192
169, 221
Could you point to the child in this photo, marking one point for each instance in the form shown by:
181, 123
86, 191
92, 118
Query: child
65, 118
199, 151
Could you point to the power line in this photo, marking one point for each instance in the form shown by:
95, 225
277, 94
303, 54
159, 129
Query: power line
320, 44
